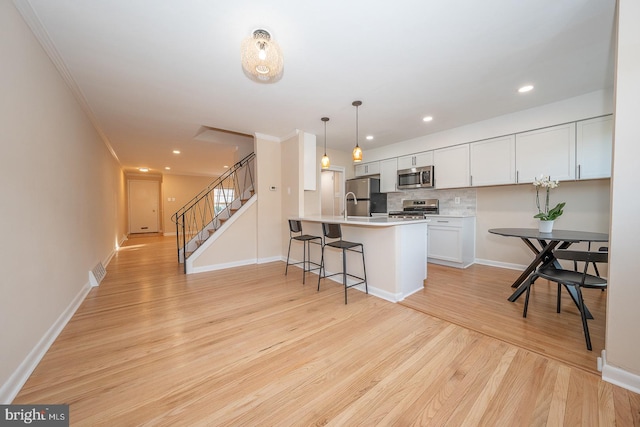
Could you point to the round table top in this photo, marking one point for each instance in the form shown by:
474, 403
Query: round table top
563, 235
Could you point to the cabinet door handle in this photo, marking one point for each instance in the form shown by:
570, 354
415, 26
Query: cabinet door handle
471, 180
579, 172
517, 176
442, 221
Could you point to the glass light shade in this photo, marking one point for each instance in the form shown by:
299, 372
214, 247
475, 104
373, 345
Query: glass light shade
325, 162
262, 59
357, 154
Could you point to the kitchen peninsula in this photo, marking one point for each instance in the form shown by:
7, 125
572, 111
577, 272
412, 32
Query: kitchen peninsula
395, 252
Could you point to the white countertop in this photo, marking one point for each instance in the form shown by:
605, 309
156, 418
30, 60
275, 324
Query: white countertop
449, 216
376, 221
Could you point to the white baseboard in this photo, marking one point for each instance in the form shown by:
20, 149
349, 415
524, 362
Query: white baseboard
271, 259
11, 388
500, 264
620, 377
215, 267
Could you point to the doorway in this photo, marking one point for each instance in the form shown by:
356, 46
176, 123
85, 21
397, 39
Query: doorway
332, 191
144, 197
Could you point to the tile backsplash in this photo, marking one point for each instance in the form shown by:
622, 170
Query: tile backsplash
447, 198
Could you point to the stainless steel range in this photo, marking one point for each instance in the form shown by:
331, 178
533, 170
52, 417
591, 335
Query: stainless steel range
417, 208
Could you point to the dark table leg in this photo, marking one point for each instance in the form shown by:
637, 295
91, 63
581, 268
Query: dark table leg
544, 257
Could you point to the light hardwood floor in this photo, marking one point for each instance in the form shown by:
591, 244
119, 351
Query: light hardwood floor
248, 346
476, 298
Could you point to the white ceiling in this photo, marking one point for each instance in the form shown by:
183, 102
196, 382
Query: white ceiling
153, 73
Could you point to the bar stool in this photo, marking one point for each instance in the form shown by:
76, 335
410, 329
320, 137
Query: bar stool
334, 231
295, 227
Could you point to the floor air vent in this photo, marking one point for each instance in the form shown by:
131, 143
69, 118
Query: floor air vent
97, 274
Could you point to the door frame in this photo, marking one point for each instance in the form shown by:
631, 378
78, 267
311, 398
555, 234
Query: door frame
334, 169
158, 182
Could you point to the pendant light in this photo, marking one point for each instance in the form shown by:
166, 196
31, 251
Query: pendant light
357, 151
325, 159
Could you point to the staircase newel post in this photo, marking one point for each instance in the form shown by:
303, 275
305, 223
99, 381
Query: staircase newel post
184, 245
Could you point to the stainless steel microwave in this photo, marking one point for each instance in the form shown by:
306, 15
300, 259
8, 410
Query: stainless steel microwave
421, 177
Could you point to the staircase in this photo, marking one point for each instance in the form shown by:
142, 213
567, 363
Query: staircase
207, 212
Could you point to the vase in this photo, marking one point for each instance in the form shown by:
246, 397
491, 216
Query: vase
545, 226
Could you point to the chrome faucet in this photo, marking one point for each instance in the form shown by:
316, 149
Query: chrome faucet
346, 197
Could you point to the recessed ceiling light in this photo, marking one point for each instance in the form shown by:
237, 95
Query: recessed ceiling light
167, 168
427, 119
176, 151
143, 169
526, 88
369, 137
226, 167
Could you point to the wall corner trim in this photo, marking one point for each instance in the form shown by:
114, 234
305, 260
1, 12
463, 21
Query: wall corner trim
618, 376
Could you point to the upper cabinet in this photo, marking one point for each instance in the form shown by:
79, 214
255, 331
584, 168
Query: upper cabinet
493, 161
593, 147
415, 160
550, 151
388, 175
364, 169
451, 167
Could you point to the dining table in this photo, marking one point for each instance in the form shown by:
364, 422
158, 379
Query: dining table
543, 245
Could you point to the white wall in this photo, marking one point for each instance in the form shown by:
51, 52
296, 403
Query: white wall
514, 206
623, 314
62, 201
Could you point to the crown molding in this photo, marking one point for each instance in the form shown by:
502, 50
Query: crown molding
35, 24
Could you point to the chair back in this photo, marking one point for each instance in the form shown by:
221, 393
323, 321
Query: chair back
331, 231
582, 256
295, 226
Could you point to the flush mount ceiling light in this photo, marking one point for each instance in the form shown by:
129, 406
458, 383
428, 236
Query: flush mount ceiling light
262, 59
357, 151
524, 89
143, 169
427, 119
176, 151
324, 163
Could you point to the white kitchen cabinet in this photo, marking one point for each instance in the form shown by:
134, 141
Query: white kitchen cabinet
493, 161
451, 241
594, 144
451, 167
550, 151
365, 169
415, 160
388, 175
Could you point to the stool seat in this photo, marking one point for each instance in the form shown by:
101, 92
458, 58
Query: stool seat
343, 244
295, 227
334, 231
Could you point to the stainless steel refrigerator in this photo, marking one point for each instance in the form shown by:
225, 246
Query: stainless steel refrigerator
367, 192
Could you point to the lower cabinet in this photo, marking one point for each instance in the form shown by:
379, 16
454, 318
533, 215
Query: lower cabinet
452, 241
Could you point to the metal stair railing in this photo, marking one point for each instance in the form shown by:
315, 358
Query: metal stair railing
208, 210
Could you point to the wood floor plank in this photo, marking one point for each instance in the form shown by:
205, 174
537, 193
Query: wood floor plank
249, 346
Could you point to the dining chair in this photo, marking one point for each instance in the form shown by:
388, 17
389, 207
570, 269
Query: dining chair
571, 278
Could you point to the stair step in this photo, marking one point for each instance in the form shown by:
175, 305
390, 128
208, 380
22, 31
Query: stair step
243, 201
199, 242
211, 231
187, 254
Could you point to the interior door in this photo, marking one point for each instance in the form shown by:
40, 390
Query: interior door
144, 199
